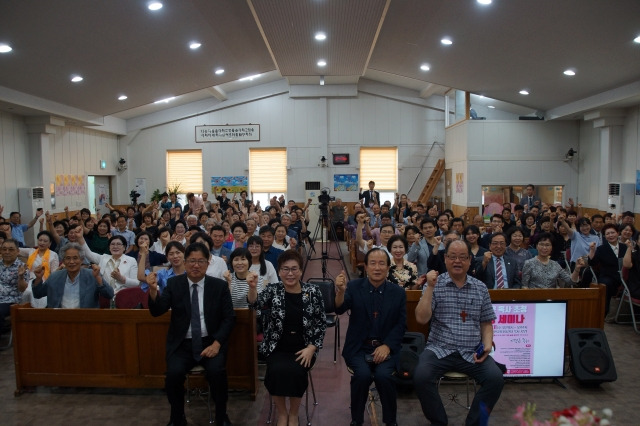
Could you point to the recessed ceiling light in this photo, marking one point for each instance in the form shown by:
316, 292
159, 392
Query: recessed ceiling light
524, 92
122, 97
250, 78
320, 36
154, 5
76, 78
490, 106
219, 71
569, 72
322, 63
5, 48
194, 45
484, 2
424, 67
637, 39
446, 41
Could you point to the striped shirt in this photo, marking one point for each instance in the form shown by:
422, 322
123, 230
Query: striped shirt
239, 290
457, 314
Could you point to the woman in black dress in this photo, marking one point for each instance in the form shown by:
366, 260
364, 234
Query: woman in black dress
294, 331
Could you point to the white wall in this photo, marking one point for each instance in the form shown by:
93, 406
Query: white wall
512, 153
13, 160
78, 151
310, 128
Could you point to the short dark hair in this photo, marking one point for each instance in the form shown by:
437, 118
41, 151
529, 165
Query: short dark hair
470, 228
530, 186
239, 224
140, 234
172, 244
266, 229
499, 216
518, 207
428, 220
239, 252
191, 248
596, 216
612, 226
217, 228
118, 237
497, 234
202, 235
395, 238
545, 236
288, 255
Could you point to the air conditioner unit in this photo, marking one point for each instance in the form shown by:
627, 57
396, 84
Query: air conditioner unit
312, 191
621, 197
30, 200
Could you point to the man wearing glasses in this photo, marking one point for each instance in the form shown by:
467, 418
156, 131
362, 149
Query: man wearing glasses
202, 318
73, 286
460, 337
497, 270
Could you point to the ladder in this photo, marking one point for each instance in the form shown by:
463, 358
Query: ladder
432, 182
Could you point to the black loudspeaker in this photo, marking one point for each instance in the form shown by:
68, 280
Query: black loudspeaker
591, 360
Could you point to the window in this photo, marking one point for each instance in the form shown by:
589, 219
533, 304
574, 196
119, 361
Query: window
184, 168
267, 174
381, 166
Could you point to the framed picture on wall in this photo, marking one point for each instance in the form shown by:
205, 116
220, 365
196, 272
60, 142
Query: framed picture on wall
340, 159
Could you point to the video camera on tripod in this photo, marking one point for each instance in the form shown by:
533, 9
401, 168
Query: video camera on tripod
324, 199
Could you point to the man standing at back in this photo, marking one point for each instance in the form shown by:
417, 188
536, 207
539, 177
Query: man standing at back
202, 318
374, 337
529, 199
461, 316
371, 196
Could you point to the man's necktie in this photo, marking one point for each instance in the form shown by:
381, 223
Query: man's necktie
196, 331
530, 202
499, 277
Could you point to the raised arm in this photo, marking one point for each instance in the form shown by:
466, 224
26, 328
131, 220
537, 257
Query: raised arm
423, 309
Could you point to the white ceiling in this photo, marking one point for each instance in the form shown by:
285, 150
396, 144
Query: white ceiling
120, 47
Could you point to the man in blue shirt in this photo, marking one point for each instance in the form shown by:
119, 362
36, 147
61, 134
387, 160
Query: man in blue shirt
270, 253
18, 229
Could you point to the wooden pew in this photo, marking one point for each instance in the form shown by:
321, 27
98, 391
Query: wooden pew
113, 348
585, 306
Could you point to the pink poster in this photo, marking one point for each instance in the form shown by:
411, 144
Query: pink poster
513, 334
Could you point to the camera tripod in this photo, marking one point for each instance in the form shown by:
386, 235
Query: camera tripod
325, 244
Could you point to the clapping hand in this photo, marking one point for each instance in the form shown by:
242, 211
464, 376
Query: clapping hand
114, 274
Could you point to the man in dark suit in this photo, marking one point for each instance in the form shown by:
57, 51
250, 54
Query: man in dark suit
606, 259
374, 337
529, 199
202, 318
370, 197
497, 270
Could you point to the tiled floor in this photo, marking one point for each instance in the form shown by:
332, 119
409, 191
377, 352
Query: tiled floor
58, 406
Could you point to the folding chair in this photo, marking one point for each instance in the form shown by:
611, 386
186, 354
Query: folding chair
626, 298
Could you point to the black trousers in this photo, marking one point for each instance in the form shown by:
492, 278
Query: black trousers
363, 374
179, 364
429, 371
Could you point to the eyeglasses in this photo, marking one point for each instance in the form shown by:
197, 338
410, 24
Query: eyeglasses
498, 243
287, 271
455, 258
199, 262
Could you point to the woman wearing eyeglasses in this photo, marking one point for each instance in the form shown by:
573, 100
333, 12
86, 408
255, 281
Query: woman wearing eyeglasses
116, 269
542, 272
294, 331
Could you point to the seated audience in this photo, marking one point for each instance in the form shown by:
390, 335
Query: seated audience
73, 286
175, 255
294, 332
239, 232
516, 248
402, 272
14, 276
281, 240
581, 239
218, 236
238, 276
18, 229
44, 256
631, 261
497, 270
164, 237
154, 258
217, 267
421, 249
471, 234
259, 264
98, 237
121, 230
118, 271
270, 253
543, 272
